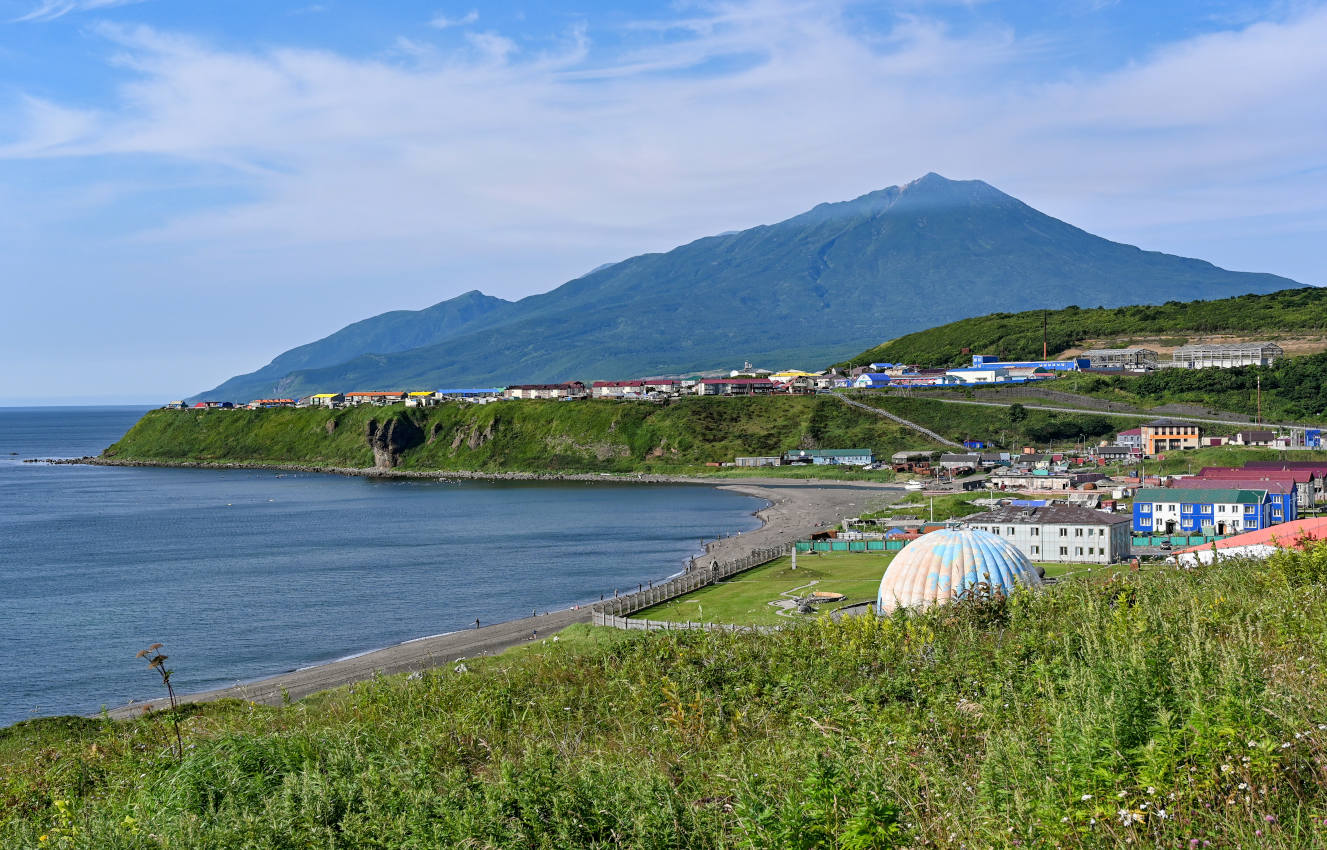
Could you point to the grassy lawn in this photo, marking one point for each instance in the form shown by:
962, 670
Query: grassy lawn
745, 598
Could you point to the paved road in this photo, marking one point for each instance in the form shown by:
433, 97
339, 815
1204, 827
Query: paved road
1097, 412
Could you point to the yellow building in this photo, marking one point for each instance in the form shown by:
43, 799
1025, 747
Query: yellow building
1163, 435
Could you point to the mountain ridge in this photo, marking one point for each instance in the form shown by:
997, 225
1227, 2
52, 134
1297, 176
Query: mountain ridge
810, 289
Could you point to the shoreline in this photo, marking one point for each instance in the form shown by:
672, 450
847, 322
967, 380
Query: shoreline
463, 474
794, 509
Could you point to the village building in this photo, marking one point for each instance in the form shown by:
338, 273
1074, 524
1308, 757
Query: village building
472, 394
1226, 355
1164, 435
734, 386
421, 398
1308, 484
1159, 510
1255, 437
618, 389
1283, 493
376, 397
270, 402
1042, 479
549, 392
175, 405
871, 381
322, 400
1318, 469
1115, 454
214, 405
1059, 533
831, 457
1131, 438
1071, 365
775, 460
1122, 358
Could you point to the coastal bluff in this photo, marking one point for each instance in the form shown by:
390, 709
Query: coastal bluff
508, 437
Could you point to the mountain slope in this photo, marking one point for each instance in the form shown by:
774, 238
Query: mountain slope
807, 290
385, 333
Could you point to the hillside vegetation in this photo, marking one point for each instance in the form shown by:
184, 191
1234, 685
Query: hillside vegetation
538, 436
1161, 709
807, 290
1019, 335
1293, 389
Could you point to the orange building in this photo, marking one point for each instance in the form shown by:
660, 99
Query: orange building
1163, 435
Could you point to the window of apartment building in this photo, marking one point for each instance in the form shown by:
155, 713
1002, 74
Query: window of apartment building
1064, 532
1010, 529
1064, 550
1078, 532
1078, 550
1036, 550
1036, 532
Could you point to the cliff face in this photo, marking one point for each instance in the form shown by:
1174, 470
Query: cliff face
389, 439
586, 436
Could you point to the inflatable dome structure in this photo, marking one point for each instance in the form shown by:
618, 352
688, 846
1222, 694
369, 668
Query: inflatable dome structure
937, 567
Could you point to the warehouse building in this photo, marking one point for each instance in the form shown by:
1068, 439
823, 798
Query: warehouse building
1122, 358
1226, 355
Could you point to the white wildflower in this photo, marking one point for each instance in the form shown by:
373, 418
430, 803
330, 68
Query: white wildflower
1086, 797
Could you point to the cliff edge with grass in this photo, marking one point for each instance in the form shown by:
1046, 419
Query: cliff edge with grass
514, 436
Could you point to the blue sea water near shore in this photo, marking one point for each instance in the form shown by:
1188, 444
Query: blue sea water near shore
244, 574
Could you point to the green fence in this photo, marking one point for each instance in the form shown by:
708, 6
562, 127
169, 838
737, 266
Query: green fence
850, 545
1176, 540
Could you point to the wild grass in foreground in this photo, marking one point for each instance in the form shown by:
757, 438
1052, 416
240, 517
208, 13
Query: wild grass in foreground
1164, 709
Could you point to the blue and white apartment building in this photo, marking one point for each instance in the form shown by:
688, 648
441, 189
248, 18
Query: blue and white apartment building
1164, 510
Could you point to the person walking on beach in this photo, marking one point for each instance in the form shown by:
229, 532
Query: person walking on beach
476, 622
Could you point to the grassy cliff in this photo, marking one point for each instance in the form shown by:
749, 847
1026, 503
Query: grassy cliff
589, 436
1019, 335
1160, 709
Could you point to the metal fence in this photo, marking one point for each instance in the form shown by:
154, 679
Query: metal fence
700, 574
1176, 540
668, 625
837, 545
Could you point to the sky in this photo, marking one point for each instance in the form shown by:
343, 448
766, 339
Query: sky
190, 187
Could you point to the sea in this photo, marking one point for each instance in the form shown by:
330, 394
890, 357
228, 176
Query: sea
245, 574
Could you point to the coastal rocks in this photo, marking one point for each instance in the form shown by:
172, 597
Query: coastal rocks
474, 437
389, 439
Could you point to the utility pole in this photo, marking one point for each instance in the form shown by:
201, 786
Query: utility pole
1044, 353
1260, 399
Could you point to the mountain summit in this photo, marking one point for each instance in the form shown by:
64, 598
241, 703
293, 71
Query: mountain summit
807, 291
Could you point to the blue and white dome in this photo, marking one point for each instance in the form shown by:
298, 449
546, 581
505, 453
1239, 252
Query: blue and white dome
936, 567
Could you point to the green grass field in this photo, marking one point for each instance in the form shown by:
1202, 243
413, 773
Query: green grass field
744, 599
1168, 708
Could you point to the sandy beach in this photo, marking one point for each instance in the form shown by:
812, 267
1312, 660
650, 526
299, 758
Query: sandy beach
796, 509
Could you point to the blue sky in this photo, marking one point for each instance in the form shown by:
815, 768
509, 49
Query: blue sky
190, 187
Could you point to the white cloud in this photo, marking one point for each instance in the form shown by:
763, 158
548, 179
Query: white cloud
442, 22
514, 169
49, 10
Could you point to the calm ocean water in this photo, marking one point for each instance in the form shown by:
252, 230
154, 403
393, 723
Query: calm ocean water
246, 574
